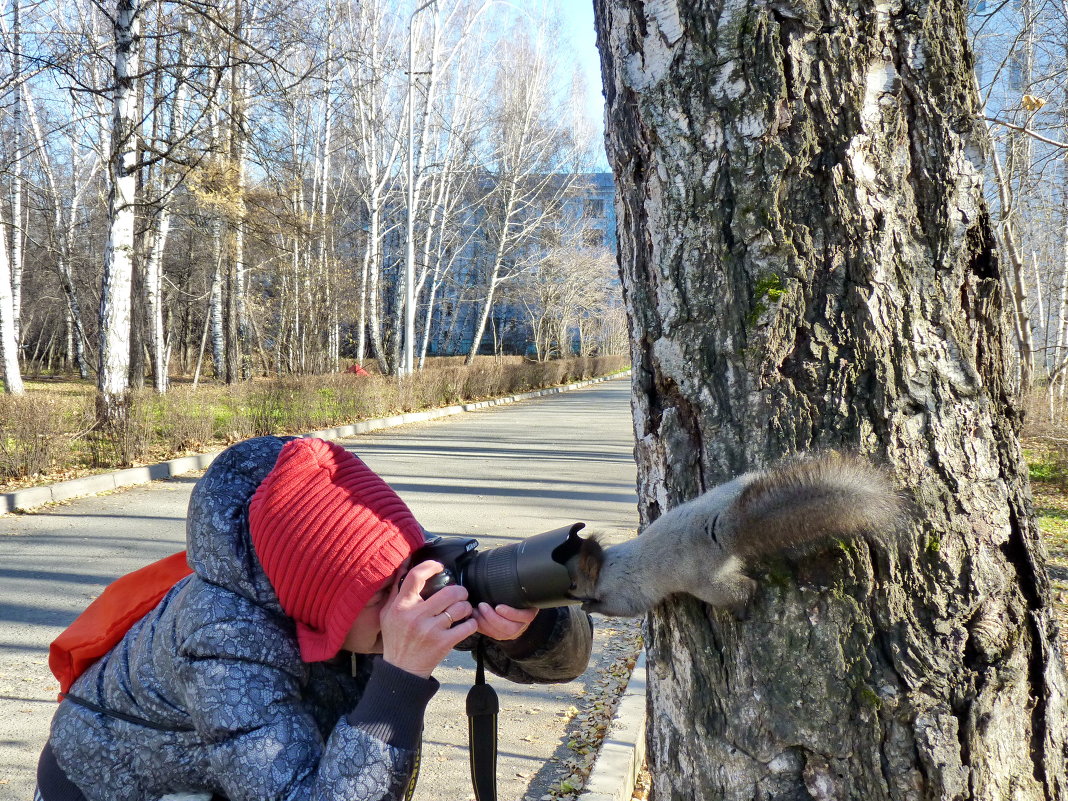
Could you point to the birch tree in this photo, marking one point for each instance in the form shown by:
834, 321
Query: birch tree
113, 378
12, 235
808, 263
70, 141
18, 234
378, 108
8, 343
163, 178
1020, 49
526, 183
66, 196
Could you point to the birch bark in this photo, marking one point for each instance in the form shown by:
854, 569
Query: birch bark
8, 343
113, 379
157, 340
378, 125
18, 231
807, 262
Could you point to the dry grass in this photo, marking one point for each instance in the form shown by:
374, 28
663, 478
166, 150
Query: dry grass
49, 434
1045, 445
1051, 513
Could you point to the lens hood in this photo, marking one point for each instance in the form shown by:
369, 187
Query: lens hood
529, 573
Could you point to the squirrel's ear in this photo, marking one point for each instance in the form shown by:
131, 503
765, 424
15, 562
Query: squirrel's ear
591, 558
585, 567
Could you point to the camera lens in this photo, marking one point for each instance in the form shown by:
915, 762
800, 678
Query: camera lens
530, 573
491, 577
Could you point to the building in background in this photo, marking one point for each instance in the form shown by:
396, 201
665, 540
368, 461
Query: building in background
587, 216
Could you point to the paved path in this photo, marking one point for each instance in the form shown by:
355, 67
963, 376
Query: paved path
499, 474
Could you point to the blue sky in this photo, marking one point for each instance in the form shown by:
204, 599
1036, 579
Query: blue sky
578, 21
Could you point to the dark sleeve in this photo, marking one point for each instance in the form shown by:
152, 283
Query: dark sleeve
393, 705
555, 648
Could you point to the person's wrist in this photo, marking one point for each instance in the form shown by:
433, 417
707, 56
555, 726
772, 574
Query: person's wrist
421, 671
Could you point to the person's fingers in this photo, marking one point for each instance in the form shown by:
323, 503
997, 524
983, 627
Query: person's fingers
454, 613
487, 614
417, 578
444, 598
460, 632
513, 614
498, 627
423, 648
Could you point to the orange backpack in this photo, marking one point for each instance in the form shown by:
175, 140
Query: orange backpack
104, 622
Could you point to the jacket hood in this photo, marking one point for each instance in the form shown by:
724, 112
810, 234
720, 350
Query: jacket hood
218, 543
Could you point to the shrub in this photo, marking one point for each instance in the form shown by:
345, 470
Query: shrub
32, 435
187, 422
54, 428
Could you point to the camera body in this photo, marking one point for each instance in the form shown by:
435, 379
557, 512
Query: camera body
531, 573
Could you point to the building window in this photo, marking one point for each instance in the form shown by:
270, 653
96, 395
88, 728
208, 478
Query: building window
595, 207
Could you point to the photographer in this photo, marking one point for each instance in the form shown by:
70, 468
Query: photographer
257, 676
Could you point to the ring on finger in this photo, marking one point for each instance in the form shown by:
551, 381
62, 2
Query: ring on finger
446, 613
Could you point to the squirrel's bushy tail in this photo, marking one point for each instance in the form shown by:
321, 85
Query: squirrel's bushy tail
804, 500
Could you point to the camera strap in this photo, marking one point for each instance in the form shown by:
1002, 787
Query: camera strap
482, 708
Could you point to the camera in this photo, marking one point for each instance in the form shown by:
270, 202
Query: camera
532, 573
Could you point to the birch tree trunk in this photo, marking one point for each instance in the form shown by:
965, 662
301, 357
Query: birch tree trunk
9, 353
18, 233
238, 365
157, 339
1015, 281
215, 305
807, 262
1057, 379
112, 379
66, 202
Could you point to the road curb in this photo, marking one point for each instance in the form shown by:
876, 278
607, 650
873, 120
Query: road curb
33, 497
623, 749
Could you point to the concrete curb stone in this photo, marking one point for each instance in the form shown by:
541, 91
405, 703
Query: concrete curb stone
623, 750
32, 497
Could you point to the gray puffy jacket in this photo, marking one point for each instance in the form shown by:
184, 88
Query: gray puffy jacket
212, 695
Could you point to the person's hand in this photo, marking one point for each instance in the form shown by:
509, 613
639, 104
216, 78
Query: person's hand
418, 633
503, 622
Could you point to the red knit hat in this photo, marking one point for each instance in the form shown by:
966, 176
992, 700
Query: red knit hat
329, 532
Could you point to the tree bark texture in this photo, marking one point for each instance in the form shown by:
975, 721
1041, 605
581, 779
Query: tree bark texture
112, 379
9, 352
807, 263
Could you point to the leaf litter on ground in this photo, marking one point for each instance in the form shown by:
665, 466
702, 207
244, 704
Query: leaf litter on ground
590, 723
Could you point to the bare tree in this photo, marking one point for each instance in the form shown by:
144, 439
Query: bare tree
253, 150
526, 183
568, 288
8, 344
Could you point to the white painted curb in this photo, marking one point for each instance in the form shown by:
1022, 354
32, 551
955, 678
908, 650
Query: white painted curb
22, 500
623, 750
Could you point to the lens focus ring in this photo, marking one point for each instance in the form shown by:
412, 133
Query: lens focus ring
492, 577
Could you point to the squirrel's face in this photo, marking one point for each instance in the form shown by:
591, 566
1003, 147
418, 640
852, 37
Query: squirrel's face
601, 581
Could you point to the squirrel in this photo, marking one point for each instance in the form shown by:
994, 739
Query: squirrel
704, 546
